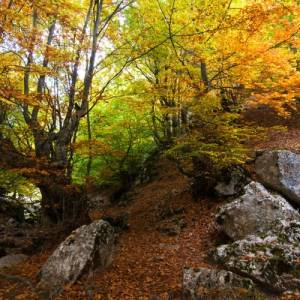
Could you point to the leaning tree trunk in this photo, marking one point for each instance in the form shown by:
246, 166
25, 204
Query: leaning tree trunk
62, 202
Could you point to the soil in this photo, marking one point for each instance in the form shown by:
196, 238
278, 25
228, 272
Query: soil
168, 230
147, 263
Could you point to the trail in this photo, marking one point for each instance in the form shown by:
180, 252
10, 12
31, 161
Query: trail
148, 264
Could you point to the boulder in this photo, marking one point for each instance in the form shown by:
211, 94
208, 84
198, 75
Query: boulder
271, 258
198, 282
12, 260
254, 212
232, 181
88, 247
280, 170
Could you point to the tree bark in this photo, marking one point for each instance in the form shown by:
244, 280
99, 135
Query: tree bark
48, 166
62, 202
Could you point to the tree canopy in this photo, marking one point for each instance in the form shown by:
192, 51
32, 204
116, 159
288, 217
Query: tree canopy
90, 89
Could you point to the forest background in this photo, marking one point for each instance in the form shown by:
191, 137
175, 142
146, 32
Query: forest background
92, 90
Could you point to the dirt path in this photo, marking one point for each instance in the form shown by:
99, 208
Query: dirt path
147, 264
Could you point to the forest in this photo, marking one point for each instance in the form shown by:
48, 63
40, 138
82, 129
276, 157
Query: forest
148, 147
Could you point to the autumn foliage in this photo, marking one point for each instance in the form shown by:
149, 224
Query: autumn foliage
90, 89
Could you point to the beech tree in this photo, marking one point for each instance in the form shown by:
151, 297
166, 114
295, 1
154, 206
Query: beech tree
223, 57
203, 70
59, 58
50, 55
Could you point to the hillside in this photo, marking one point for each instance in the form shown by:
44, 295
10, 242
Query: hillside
149, 149
146, 262
168, 230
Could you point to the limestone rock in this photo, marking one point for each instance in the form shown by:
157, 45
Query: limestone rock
88, 247
197, 281
280, 170
254, 212
271, 258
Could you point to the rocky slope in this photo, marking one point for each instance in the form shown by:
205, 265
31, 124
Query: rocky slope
172, 247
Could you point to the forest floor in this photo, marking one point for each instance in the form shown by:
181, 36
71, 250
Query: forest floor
148, 263
286, 137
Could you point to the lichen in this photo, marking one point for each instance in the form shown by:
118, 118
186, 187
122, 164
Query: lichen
270, 258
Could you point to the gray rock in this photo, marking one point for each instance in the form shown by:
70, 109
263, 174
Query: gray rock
12, 260
280, 170
88, 247
271, 258
254, 212
233, 181
196, 280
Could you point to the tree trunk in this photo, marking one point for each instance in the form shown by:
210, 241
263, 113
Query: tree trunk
90, 158
63, 204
